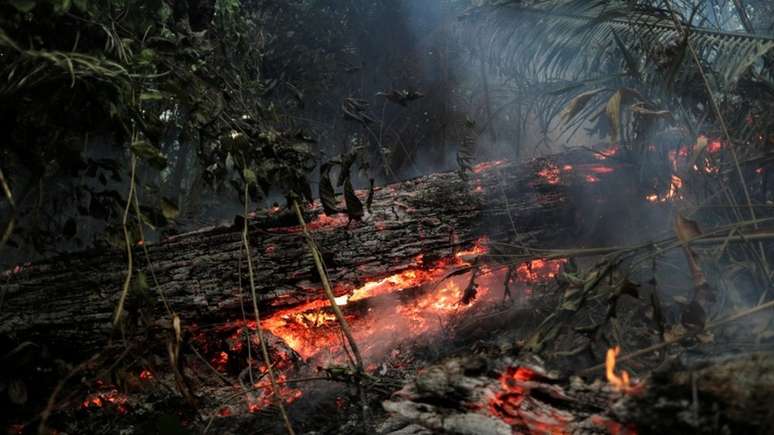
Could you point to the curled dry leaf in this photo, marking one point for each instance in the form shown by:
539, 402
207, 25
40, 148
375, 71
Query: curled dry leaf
686, 230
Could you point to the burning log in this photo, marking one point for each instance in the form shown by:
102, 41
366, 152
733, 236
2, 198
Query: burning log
418, 231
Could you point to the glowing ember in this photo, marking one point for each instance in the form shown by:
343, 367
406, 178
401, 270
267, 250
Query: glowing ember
220, 361
146, 375
265, 397
674, 187
550, 174
672, 194
514, 405
609, 152
112, 398
310, 328
539, 270
481, 167
714, 147
620, 383
591, 179
323, 221
601, 169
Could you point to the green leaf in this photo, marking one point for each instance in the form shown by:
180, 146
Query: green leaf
169, 208
23, 5
61, 6
81, 5
250, 177
153, 155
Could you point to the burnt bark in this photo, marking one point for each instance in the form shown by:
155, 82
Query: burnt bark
68, 301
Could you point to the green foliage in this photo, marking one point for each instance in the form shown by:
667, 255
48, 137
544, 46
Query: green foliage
137, 76
585, 47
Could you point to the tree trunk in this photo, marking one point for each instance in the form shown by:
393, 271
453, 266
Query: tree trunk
69, 300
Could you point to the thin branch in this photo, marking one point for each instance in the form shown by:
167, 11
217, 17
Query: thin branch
336, 309
127, 240
258, 330
674, 340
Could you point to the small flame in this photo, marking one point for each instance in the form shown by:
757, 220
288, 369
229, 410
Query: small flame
619, 383
673, 193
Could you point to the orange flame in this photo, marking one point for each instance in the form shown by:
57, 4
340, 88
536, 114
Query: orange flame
620, 383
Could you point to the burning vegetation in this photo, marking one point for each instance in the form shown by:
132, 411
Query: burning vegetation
388, 217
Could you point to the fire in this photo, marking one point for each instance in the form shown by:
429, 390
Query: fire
102, 399
550, 174
265, 396
514, 405
481, 167
323, 221
310, 329
609, 152
714, 147
619, 383
672, 194
674, 187
220, 361
146, 375
539, 270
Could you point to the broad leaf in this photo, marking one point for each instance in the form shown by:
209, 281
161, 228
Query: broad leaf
153, 155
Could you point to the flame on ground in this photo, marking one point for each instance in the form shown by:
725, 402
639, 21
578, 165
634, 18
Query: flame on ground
620, 383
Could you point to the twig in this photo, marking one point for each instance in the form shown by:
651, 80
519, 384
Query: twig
12, 222
721, 119
336, 309
258, 331
129, 261
674, 340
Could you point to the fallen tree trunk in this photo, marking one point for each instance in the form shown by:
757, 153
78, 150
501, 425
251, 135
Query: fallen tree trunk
69, 301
